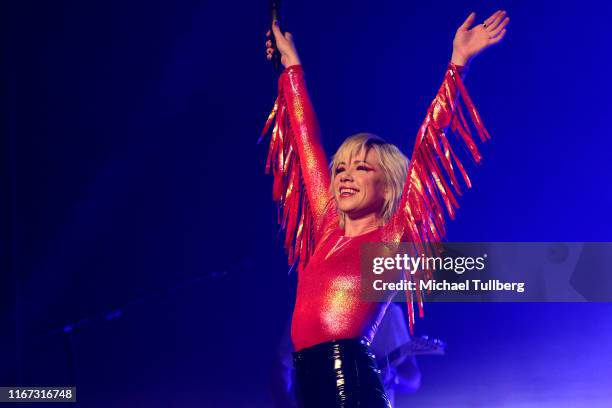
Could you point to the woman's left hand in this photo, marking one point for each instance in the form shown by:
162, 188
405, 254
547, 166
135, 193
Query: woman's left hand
470, 42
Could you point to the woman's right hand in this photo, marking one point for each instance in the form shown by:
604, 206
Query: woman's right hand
285, 45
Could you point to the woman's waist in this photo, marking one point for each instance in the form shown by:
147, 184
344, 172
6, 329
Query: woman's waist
311, 326
334, 352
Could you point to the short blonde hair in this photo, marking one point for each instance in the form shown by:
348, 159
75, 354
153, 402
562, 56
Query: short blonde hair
391, 160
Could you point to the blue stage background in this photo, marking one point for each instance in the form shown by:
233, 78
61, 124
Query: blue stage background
138, 213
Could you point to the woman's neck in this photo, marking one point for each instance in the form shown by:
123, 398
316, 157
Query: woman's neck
359, 226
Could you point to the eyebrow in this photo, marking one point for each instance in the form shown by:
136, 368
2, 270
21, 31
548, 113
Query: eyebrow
354, 162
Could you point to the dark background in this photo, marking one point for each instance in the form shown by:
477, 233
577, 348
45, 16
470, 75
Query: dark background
132, 184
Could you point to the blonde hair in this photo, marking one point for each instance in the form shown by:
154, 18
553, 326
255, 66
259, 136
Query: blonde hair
391, 160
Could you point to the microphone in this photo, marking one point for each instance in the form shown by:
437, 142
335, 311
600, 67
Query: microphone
275, 15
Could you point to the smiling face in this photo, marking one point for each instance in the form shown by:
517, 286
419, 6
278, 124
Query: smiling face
367, 178
359, 184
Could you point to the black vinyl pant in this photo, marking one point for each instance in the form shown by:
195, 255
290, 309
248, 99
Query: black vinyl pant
340, 373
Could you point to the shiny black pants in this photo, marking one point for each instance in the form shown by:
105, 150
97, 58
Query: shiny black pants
340, 373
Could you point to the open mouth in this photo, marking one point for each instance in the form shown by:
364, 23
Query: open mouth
346, 192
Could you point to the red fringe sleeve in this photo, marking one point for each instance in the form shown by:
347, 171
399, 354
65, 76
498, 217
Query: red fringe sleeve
299, 166
432, 184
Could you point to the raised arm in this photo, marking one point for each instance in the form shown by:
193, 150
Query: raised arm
296, 156
431, 172
432, 183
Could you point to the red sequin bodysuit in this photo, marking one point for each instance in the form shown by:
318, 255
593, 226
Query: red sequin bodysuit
328, 305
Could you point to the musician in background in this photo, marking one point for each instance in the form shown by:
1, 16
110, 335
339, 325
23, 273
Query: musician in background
399, 374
